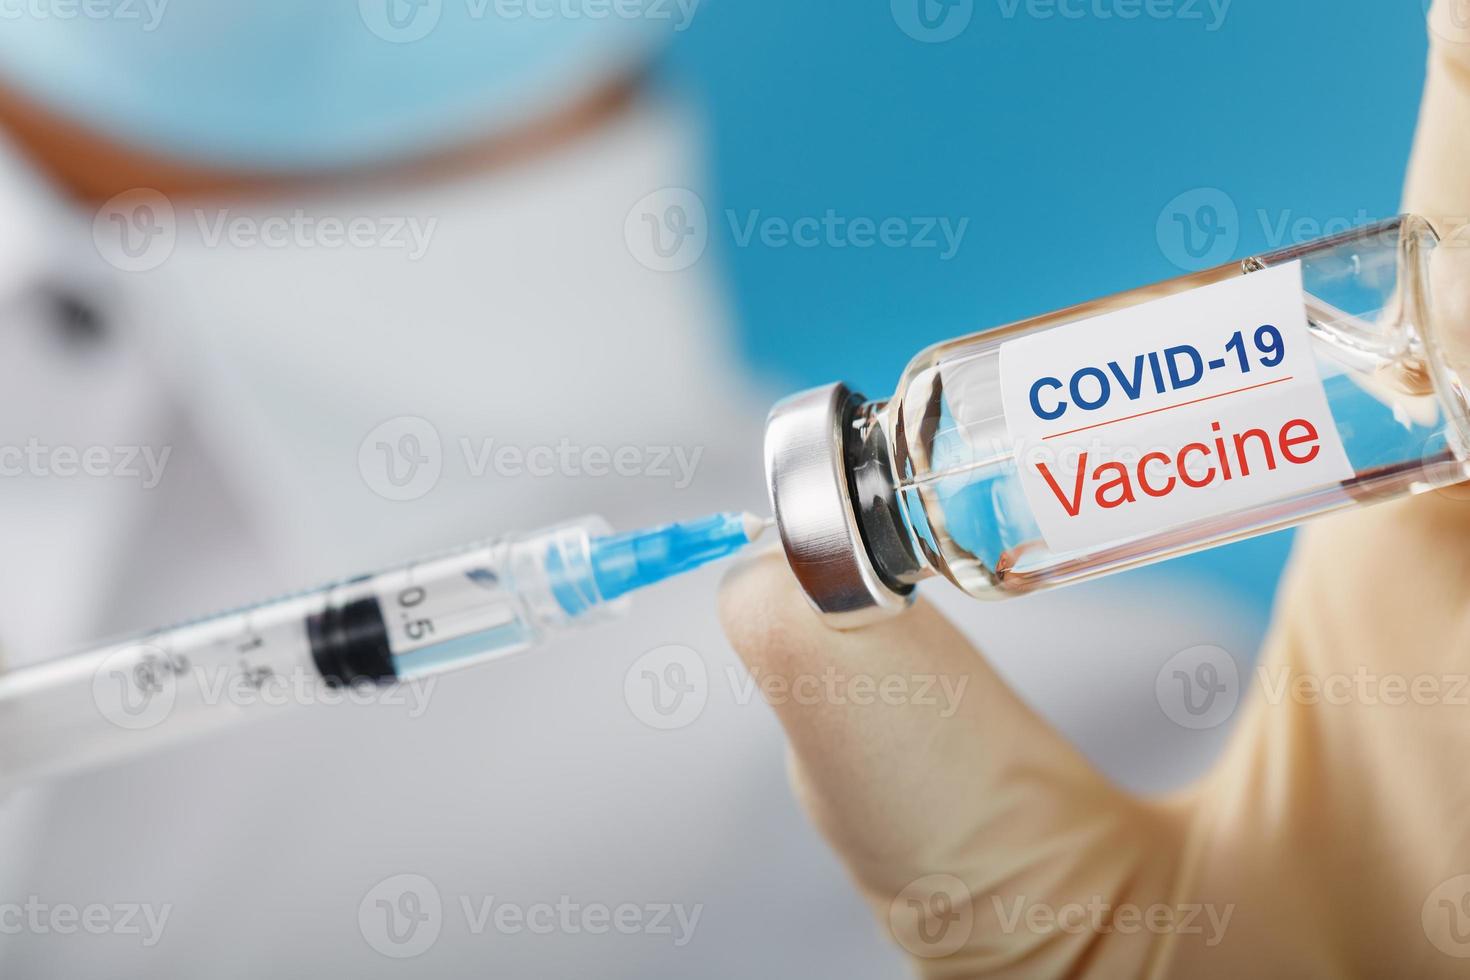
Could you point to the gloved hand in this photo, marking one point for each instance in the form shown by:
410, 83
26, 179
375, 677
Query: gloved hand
1332, 838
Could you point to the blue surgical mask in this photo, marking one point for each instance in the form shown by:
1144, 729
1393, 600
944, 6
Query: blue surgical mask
308, 84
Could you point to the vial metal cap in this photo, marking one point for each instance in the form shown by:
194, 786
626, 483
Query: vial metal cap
806, 472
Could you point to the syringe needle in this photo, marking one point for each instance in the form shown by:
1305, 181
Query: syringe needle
756, 526
624, 562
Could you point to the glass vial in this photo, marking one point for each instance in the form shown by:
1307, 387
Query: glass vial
1154, 423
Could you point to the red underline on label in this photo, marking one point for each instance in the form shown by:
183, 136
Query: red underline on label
1170, 408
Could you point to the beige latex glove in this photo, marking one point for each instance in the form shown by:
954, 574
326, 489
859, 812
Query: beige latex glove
1331, 840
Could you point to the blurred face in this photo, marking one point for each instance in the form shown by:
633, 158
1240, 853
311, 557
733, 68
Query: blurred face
284, 86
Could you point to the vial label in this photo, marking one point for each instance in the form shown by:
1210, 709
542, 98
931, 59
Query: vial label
1178, 410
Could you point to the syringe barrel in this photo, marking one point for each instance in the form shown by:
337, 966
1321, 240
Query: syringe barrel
479, 604
119, 700
476, 604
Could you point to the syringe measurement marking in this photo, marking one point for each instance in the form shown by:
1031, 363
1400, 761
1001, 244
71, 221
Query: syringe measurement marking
408, 598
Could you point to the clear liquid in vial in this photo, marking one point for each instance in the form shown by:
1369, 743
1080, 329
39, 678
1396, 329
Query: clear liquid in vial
1395, 402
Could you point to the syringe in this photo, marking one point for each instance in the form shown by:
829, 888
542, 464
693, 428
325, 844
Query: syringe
479, 603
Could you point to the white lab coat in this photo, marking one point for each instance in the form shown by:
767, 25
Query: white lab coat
527, 783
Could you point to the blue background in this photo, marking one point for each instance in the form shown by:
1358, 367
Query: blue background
1062, 139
